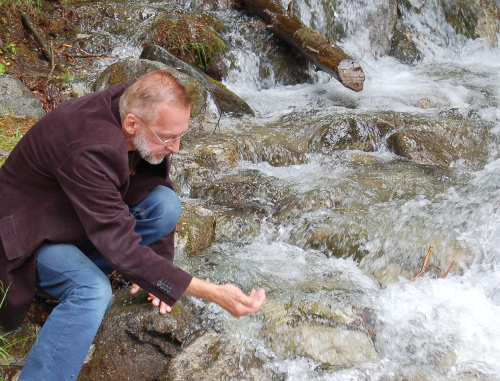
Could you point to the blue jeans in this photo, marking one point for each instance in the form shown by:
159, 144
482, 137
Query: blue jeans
75, 275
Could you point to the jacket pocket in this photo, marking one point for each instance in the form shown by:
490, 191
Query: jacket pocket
10, 241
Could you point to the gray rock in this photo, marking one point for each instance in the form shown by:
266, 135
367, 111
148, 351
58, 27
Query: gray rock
214, 356
16, 98
135, 341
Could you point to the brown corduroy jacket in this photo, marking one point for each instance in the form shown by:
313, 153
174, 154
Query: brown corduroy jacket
69, 179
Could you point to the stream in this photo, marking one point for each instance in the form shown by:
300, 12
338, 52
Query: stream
335, 236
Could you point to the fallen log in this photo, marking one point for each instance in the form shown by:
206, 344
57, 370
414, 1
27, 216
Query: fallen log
323, 53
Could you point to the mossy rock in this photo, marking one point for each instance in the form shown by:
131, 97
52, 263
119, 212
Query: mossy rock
195, 229
193, 39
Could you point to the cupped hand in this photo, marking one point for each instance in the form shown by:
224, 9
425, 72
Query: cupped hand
162, 306
236, 302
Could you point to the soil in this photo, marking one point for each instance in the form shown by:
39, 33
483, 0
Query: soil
22, 56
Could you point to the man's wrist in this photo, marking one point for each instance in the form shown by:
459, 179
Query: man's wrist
202, 289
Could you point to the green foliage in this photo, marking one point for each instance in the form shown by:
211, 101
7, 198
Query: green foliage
201, 53
24, 4
5, 343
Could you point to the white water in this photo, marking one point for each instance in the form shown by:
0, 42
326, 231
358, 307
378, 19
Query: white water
431, 329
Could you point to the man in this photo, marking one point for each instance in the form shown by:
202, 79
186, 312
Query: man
85, 192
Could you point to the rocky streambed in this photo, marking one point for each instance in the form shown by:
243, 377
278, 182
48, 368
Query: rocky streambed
328, 200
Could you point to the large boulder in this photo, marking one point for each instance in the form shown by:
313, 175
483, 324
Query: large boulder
135, 341
213, 357
17, 99
439, 141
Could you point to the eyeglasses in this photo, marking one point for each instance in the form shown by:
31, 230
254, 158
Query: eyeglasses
167, 142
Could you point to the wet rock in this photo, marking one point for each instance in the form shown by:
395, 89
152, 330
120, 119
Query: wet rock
403, 47
328, 345
249, 191
193, 38
334, 333
234, 225
353, 133
437, 142
201, 159
276, 148
17, 99
216, 154
474, 18
195, 229
335, 336
471, 19
382, 25
130, 70
135, 342
214, 356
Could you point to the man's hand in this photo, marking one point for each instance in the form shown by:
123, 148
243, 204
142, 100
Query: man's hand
163, 307
228, 296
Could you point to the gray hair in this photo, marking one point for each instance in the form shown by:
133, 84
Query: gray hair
151, 90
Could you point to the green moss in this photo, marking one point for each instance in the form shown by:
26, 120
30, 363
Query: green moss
463, 21
12, 129
191, 38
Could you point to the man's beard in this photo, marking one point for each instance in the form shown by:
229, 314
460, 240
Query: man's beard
141, 145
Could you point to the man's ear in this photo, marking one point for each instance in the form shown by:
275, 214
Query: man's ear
130, 124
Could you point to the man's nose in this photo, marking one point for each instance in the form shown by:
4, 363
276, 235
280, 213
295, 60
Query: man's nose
175, 146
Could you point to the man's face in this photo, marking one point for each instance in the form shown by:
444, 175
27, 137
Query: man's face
154, 142
141, 145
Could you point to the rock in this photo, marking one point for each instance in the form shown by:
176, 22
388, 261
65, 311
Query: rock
214, 357
381, 25
136, 342
193, 38
437, 142
331, 346
403, 47
248, 190
202, 158
130, 70
335, 333
346, 133
16, 98
195, 229
474, 18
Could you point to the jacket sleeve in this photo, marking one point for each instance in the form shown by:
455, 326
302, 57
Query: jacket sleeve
94, 178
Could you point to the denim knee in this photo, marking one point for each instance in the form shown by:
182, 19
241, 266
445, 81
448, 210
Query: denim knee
157, 215
168, 210
95, 294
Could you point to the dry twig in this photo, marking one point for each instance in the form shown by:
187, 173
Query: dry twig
426, 261
424, 266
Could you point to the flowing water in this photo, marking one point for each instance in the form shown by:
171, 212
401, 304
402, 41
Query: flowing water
377, 212
335, 237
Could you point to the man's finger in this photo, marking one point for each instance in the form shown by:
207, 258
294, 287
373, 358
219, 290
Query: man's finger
164, 308
134, 288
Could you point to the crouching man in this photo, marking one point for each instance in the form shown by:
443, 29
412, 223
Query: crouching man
85, 192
